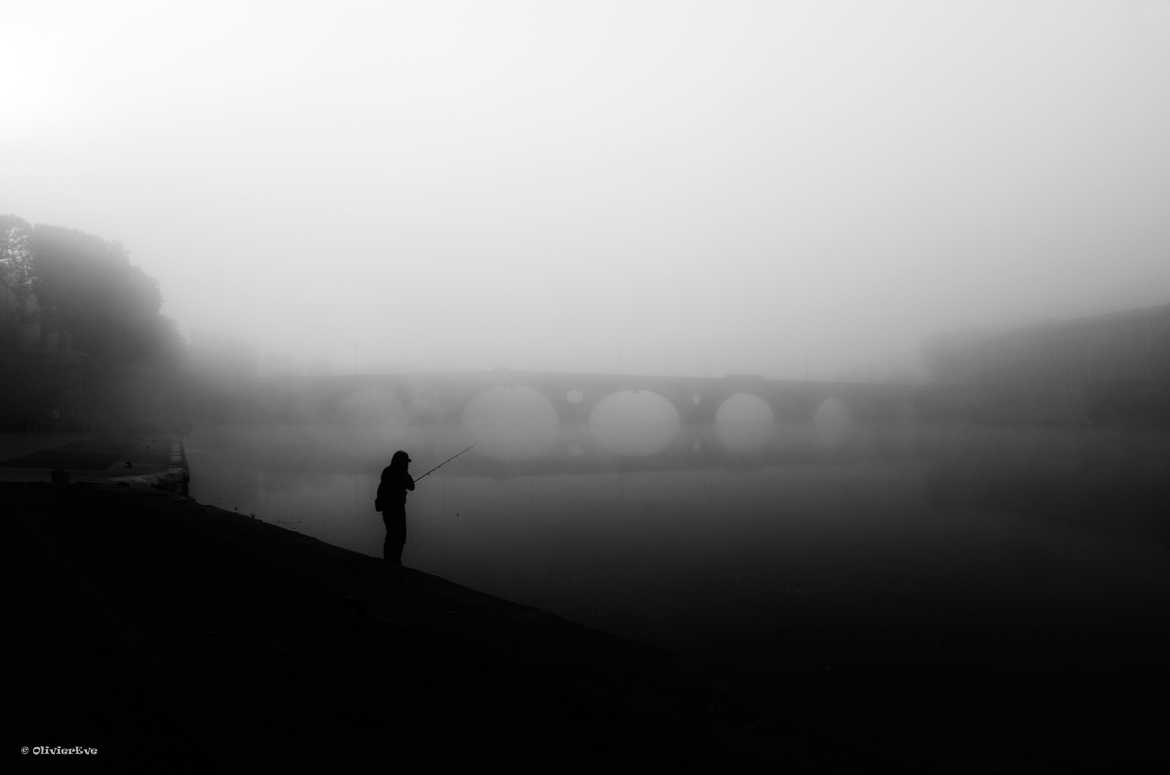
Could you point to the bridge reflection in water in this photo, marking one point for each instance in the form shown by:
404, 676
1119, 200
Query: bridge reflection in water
532, 423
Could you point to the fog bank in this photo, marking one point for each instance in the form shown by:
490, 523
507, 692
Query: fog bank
794, 190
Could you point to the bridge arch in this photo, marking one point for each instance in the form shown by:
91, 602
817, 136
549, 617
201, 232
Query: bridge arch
745, 423
635, 423
833, 422
511, 423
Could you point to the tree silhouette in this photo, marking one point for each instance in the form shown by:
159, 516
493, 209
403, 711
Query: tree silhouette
82, 340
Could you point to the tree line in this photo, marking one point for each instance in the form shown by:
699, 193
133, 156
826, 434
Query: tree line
83, 343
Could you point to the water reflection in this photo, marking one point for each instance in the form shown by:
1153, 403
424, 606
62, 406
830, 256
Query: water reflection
708, 554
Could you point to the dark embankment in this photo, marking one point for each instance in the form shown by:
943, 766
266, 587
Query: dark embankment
175, 636
178, 637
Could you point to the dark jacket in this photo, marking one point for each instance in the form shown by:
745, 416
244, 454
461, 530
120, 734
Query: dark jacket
392, 489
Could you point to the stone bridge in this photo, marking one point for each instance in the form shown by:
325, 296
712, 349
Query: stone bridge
591, 422
442, 397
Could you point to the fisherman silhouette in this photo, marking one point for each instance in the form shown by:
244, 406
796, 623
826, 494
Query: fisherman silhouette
391, 501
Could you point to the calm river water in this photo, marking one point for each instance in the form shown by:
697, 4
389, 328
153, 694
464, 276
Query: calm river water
801, 553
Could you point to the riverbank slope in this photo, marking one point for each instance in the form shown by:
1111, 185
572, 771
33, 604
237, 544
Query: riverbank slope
175, 636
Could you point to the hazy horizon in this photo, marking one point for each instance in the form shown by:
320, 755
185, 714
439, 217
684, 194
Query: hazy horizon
793, 190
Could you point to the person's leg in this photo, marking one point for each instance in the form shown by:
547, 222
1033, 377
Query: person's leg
402, 537
391, 550
395, 538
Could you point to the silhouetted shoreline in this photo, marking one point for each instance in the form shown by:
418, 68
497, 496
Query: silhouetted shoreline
176, 636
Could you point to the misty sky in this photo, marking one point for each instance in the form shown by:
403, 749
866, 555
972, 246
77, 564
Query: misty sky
790, 189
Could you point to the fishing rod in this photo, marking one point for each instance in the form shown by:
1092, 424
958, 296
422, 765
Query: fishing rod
440, 465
